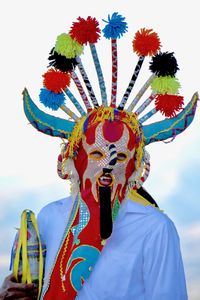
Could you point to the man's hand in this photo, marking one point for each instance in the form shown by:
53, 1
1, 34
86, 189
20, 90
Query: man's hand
13, 290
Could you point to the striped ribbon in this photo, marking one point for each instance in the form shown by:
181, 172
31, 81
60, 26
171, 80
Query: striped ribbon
132, 82
81, 91
141, 92
69, 112
99, 74
87, 82
148, 115
114, 73
74, 101
145, 104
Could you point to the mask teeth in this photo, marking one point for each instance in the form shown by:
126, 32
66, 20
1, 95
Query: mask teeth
74, 101
81, 91
87, 83
145, 104
148, 115
99, 74
141, 92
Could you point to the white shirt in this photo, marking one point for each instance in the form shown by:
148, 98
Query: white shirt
140, 261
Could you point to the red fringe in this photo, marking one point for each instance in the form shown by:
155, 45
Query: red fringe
56, 81
169, 105
85, 30
146, 42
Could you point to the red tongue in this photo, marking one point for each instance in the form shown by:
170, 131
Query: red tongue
105, 180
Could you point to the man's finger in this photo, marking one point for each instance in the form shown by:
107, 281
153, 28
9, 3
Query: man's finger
21, 286
20, 294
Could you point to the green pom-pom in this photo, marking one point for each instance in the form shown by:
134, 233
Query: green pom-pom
68, 47
165, 85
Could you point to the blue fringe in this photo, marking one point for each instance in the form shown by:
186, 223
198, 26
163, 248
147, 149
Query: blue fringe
51, 99
116, 26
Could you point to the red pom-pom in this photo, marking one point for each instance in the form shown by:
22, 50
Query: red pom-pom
85, 30
146, 42
169, 105
56, 81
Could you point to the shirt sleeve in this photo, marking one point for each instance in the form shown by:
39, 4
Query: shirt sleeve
163, 271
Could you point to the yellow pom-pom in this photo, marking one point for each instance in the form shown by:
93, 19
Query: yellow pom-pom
165, 85
67, 46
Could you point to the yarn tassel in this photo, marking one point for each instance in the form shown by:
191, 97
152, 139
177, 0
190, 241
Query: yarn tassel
141, 92
99, 74
81, 91
115, 28
131, 83
87, 82
145, 104
146, 42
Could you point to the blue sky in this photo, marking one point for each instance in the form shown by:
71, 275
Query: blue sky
28, 176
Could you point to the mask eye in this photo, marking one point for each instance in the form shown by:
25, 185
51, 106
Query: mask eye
121, 157
96, 154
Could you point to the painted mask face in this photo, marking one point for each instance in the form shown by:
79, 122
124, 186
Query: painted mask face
106, 158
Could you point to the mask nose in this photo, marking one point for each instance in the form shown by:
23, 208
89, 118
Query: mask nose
113, 156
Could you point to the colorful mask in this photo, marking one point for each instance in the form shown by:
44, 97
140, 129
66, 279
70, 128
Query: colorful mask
106, 157
105, 154
105, 161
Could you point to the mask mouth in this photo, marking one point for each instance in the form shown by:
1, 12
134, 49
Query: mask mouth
105, 179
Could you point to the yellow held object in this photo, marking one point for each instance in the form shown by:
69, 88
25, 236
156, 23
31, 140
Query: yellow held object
29, 251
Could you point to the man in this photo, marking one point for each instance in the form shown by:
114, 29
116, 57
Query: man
141, 259
107, 241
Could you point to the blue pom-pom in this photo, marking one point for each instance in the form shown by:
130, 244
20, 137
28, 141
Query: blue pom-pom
51, 100
116, 26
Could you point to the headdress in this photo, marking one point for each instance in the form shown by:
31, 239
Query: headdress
66, 66
65, 58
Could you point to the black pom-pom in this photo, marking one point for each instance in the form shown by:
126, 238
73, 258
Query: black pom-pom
164, 64
60, 62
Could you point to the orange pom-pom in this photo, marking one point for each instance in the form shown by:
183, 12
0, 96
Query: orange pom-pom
169, 105
146, 42
56, 81
85, 30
